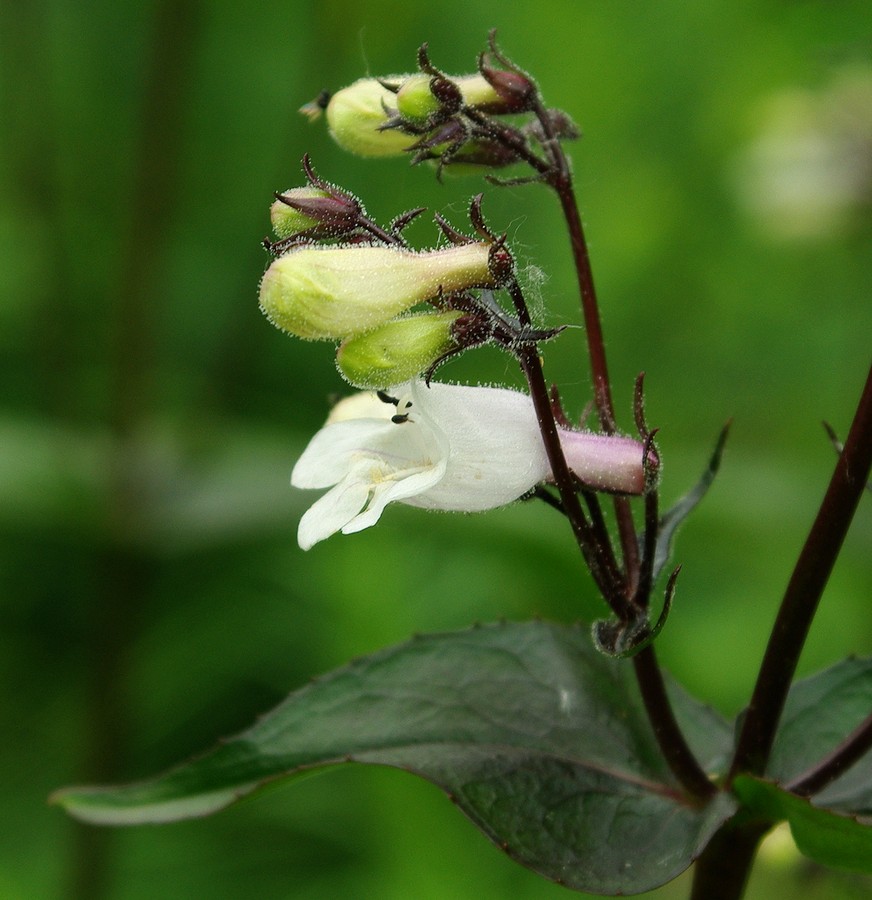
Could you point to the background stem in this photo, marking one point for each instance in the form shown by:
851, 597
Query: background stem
123, 572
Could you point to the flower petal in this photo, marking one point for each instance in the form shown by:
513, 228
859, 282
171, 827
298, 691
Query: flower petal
327, 458
332, 512
495, 452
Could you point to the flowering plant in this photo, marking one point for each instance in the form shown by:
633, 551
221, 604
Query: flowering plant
578, 757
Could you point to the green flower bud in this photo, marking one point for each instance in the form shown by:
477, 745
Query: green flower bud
415, 100
398, 350
477, 91
321, 293
356, 113
286, 220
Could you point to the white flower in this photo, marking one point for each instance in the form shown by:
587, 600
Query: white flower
448, 447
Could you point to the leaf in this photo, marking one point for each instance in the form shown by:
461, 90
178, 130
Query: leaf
537, 737
828, 838
675, 515
821, 711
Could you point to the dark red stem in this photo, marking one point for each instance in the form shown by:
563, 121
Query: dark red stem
804, 591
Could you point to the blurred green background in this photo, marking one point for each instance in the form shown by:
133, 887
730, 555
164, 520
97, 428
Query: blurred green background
153, 597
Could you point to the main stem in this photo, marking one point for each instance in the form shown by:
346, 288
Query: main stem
723, 868
804, 591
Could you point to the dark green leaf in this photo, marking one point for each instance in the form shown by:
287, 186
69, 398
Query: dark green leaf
821, 712
828, 838
537, 737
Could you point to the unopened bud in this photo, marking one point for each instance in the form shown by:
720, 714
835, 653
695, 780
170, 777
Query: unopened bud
477, 91
415, 101
356, 114
321, 293
515, 92
398, 350
477, 153
287, 218
420, 96
307, 208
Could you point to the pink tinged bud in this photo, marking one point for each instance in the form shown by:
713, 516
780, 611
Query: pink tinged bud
322, 293
606, 462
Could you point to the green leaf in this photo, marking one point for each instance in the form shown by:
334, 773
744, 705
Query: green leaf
674, 516
536, 736
828, 838
821, 711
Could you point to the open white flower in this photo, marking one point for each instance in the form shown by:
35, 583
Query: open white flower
448, 447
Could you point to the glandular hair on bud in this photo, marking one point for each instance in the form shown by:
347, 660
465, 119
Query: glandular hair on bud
396, 351
356, 113
321, 293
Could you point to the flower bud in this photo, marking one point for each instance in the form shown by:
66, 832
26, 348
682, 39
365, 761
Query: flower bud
356, 113
320, 293
415, 101
286, 215
479, 92
422, 95
476, 154
313, 209
397, 351
514, 91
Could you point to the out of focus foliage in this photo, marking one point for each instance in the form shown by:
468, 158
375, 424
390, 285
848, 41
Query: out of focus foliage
153, 597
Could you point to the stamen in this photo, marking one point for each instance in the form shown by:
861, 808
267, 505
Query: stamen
401, 417
386, 398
